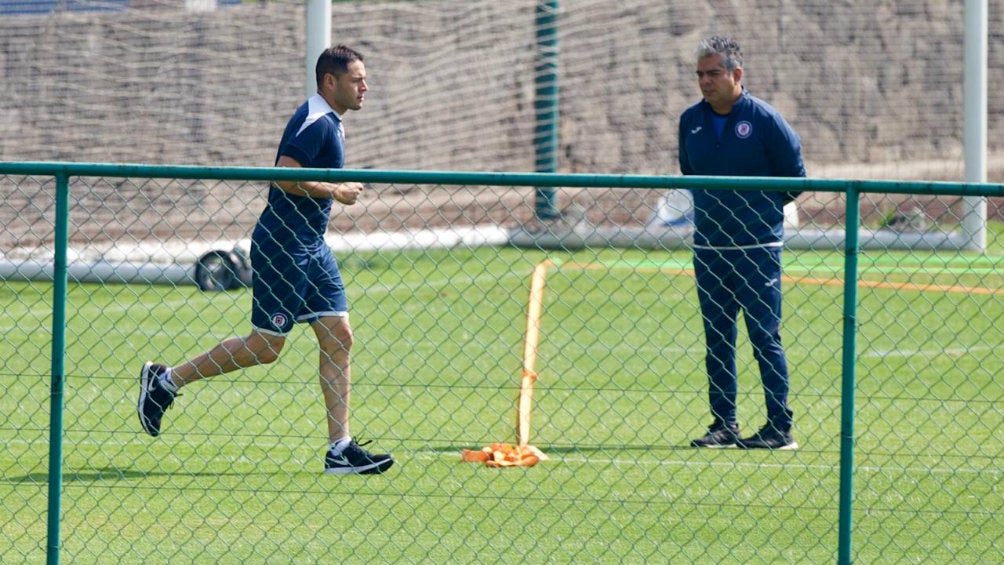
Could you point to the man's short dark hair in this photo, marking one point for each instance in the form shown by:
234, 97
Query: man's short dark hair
335, 61
728, 48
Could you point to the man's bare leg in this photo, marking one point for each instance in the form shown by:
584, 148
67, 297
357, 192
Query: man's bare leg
334, 336
344, 456
230, 355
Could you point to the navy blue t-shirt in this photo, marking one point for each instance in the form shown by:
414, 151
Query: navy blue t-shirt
315, 138
756, 141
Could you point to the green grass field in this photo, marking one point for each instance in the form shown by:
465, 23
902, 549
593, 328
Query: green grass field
235, 477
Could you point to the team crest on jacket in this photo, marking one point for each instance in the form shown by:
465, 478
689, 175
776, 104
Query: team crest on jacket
744, 129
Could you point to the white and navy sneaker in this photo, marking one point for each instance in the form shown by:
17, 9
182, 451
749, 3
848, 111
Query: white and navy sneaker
356, 460
720, 435
770, 437
154, 399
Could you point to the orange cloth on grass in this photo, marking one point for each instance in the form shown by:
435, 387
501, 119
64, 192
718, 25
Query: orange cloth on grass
501, 454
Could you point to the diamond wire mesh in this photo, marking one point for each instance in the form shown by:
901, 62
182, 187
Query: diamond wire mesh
236, 477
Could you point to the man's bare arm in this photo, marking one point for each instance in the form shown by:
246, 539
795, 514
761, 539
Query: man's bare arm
345, 192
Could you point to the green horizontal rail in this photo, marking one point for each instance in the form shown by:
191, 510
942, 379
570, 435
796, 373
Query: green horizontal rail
500, 178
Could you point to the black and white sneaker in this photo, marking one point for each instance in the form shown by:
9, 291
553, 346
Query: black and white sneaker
720, 435
154, 399
356, 460
770, 437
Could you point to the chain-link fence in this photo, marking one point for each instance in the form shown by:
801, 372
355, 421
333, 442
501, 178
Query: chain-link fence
440, 306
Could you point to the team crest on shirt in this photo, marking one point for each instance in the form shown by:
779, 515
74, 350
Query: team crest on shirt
278, 320
744, 129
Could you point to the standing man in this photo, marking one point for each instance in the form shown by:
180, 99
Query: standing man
296, 278
738, 239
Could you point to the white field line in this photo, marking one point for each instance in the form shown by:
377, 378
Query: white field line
947, 352
41, 313
433, 455
16, 316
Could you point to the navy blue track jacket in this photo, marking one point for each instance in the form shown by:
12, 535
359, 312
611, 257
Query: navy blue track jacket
755, 142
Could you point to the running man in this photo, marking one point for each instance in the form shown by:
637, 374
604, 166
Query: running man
296, 278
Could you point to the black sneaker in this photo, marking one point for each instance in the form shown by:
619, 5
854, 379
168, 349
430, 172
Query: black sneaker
770, 437
719, 436
356, 460
154, 399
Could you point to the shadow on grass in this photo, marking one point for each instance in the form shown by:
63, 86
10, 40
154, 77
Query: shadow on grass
110, 474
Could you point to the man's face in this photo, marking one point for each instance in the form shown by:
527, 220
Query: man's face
348, 91
718, 86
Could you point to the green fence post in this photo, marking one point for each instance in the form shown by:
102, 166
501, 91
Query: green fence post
59, 275
546, 103
851, 250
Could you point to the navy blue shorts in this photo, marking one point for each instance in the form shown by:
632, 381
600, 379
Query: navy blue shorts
294, 286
